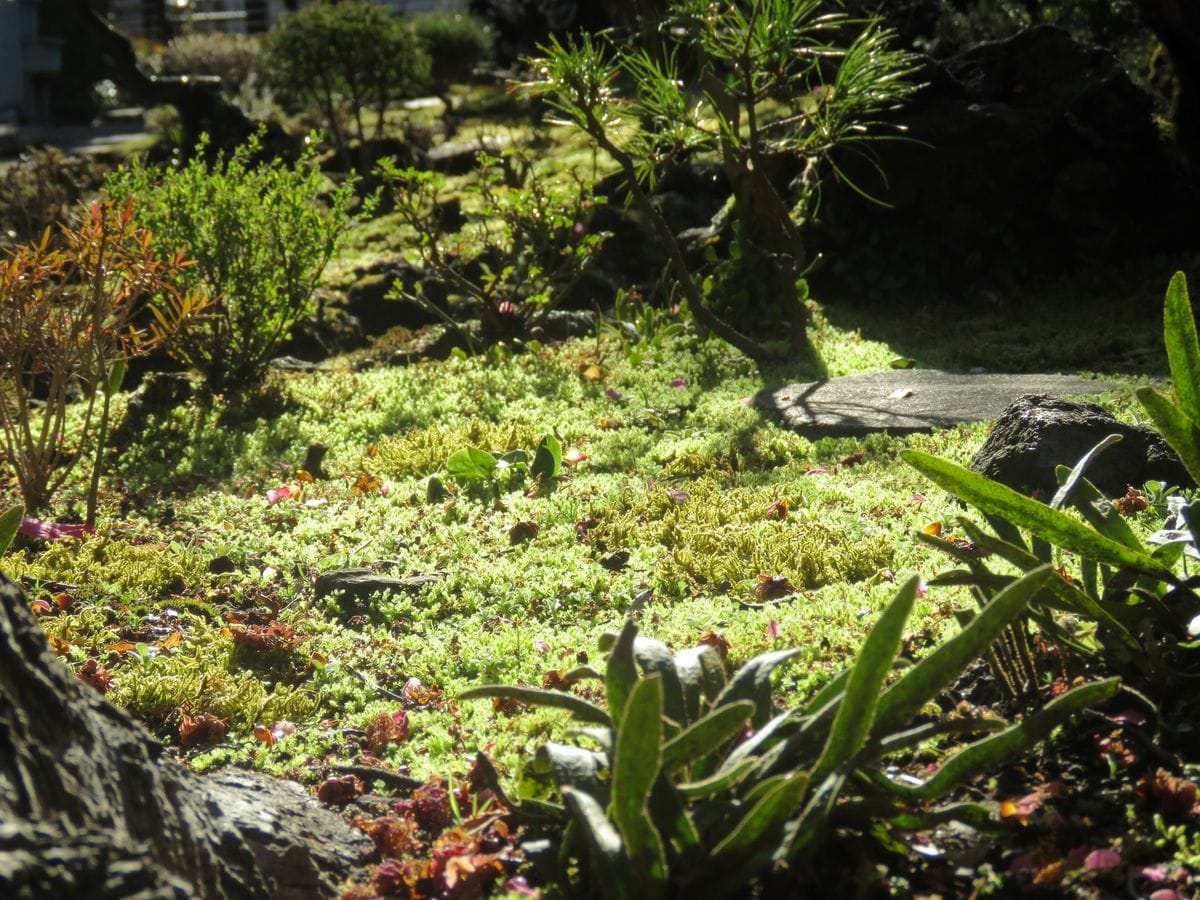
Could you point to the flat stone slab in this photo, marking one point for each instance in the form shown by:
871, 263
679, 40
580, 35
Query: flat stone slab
902, 401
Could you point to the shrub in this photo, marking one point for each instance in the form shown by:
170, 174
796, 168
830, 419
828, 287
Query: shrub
230, 57
455, 43
260, 235
699, 787
335, 60
531, 246
68, 306
40, 190
762, 79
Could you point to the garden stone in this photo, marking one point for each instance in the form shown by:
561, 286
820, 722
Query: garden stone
458, 157
908, 400
354, 588
1037, 433
292, 364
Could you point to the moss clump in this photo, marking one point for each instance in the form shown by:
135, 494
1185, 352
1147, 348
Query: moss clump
199, 677
423, 451
724, 538
103, 563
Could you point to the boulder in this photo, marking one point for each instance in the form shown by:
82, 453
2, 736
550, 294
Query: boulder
355, 587
1038, 433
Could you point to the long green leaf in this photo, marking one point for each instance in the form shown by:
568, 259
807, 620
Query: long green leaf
992, 751
856, 713
1067, 485
707, 735
753, 682
577, 706
611, 865
807, 827
935, 672
620, 673
1044, 522
1183, 347
1069, 597
636, 762
583, 770
10, 524
765, 817
722, 781
1174, 425
655, 658
1097, 510
701, 675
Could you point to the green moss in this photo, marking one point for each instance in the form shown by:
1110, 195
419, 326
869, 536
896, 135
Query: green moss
103, 563
199, 677
423, 451
718, 537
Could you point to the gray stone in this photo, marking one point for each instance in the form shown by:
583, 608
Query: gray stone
1036, 434
908, 400
355, 587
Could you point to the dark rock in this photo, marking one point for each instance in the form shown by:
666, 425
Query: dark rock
561, 324
314, 456
221, 565
354, 588
1037, 433
1027, 155
438, 342
292, 364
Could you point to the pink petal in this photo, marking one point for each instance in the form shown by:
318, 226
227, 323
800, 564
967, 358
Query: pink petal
679, 383
52, 531
1102, 859
1152, 873
518, 885
746, 401
817, 470
274, 495
773, 630
613, 394
1167, 894
679, 496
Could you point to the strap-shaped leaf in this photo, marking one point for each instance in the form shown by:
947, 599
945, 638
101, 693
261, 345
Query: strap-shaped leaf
616, 880
856, 713
1049, 524
724, 780
807, 827
701, 676
1183, 348
636, 761
10, 524
583, 770
707, 735
992, 751
765, 817
1075, 475
620, 672
935, 672
577, 706
754, 744
655, 658
1174, 425
1097, 510
753, 682
1069, 597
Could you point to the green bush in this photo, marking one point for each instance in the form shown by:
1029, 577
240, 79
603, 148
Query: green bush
230, 57
456, 45
334, 61
260, 234
699, 788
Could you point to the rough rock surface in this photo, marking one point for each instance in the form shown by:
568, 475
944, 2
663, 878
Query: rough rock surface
91, 806
1038, 433
355, 587
906, 400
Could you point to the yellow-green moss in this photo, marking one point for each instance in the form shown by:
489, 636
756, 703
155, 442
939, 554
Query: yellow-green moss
423, 451
101, 560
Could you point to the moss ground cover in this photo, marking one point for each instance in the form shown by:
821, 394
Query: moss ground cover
679, 504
